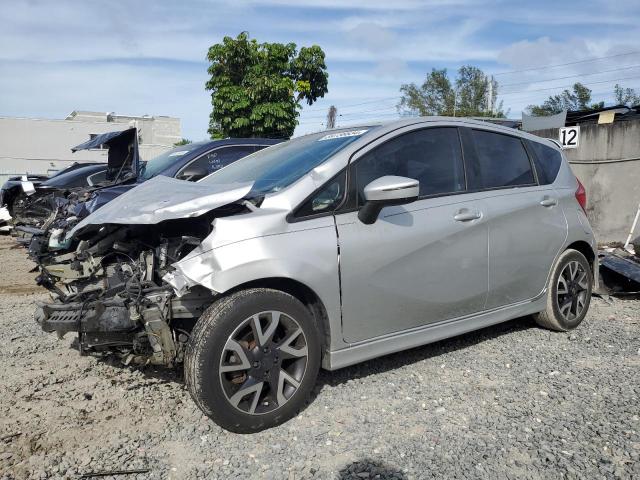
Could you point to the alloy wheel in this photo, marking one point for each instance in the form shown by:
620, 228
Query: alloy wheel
572, 290
263, 362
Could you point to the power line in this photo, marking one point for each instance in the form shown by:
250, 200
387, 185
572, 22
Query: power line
380, 99
348, 114
569, 86
529, 69
371, 116
565, 64
315, 115
569, 76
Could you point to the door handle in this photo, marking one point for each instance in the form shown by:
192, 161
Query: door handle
548, 202
465, 215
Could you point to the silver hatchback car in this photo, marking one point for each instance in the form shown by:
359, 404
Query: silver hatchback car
327, 250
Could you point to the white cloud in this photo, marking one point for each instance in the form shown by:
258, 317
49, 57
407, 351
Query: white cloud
372, 36
149, 57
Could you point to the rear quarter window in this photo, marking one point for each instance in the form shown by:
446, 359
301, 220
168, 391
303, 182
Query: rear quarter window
502, 159
547, 161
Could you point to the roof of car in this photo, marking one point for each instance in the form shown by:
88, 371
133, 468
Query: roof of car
388, 126
196, 147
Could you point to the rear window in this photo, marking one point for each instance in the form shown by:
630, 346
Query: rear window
547, 161
502, 159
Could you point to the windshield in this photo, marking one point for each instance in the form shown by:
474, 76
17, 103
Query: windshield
277, 167
163, 161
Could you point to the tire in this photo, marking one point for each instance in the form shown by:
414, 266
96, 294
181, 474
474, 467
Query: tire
233, 348
565, 311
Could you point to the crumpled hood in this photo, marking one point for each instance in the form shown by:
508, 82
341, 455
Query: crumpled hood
163, 198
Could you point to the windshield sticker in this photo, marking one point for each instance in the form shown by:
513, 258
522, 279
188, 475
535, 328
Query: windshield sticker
179, 154
350, 133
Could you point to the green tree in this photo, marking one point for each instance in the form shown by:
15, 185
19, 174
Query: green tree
626, 96
467, 95
257, 88
578, 98
184, 141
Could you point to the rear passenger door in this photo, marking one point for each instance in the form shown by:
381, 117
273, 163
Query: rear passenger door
527, 227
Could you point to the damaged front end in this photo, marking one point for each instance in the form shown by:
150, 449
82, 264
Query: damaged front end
107, 286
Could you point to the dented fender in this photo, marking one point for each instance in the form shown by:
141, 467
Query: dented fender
223, 261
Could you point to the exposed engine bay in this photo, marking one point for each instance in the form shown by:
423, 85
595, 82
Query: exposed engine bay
106, 285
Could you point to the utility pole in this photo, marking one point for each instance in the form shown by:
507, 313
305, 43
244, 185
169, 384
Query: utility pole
331, 117
455, 100
490, 104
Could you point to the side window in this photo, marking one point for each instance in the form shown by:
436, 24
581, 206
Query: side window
547, 161
97, 178
327, 199
221, 157
432, 156
503, 160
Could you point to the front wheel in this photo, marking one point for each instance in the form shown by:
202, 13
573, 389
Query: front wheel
568, 293
253, 359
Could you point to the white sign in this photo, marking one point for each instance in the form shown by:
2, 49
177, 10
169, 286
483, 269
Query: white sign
27, 186
351, 133
570, 137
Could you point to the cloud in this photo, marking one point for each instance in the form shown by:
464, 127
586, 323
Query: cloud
149, 57
372, 36
543, 51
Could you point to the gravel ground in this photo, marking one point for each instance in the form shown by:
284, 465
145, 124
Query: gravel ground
511, 401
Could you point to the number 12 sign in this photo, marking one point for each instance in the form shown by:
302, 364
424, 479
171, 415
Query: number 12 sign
570, 137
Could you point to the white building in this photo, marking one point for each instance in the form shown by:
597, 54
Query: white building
44, 146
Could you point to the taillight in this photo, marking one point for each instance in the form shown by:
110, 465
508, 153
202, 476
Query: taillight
581, 196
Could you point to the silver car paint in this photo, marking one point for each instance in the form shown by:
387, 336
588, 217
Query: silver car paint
524, 239
163, 198
263, 244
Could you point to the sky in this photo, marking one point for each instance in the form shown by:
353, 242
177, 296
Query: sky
149, 57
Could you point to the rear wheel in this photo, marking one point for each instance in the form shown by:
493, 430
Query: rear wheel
253, 359
568, 294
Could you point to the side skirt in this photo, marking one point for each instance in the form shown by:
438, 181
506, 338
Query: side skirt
377, 347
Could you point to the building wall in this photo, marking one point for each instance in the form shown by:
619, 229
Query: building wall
613, 186
29, 145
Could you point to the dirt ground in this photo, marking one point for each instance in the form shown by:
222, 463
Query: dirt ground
511, 401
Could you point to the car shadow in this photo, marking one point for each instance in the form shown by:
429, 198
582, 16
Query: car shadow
418, 354
362, 370
374, 468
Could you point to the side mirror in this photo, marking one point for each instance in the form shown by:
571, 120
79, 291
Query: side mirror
385, 191
193, 173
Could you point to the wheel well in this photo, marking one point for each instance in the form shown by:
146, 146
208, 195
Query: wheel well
585, 249
303, 293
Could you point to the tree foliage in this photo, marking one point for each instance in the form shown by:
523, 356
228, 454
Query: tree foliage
467, 95
626, 96
183, 141
256, 88
578, 98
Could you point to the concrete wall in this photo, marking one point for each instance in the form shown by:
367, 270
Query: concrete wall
29, 145
613, 186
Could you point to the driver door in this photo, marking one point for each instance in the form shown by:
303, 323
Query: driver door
420, 263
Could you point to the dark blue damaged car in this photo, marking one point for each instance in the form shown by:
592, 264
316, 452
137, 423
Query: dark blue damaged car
189, 162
